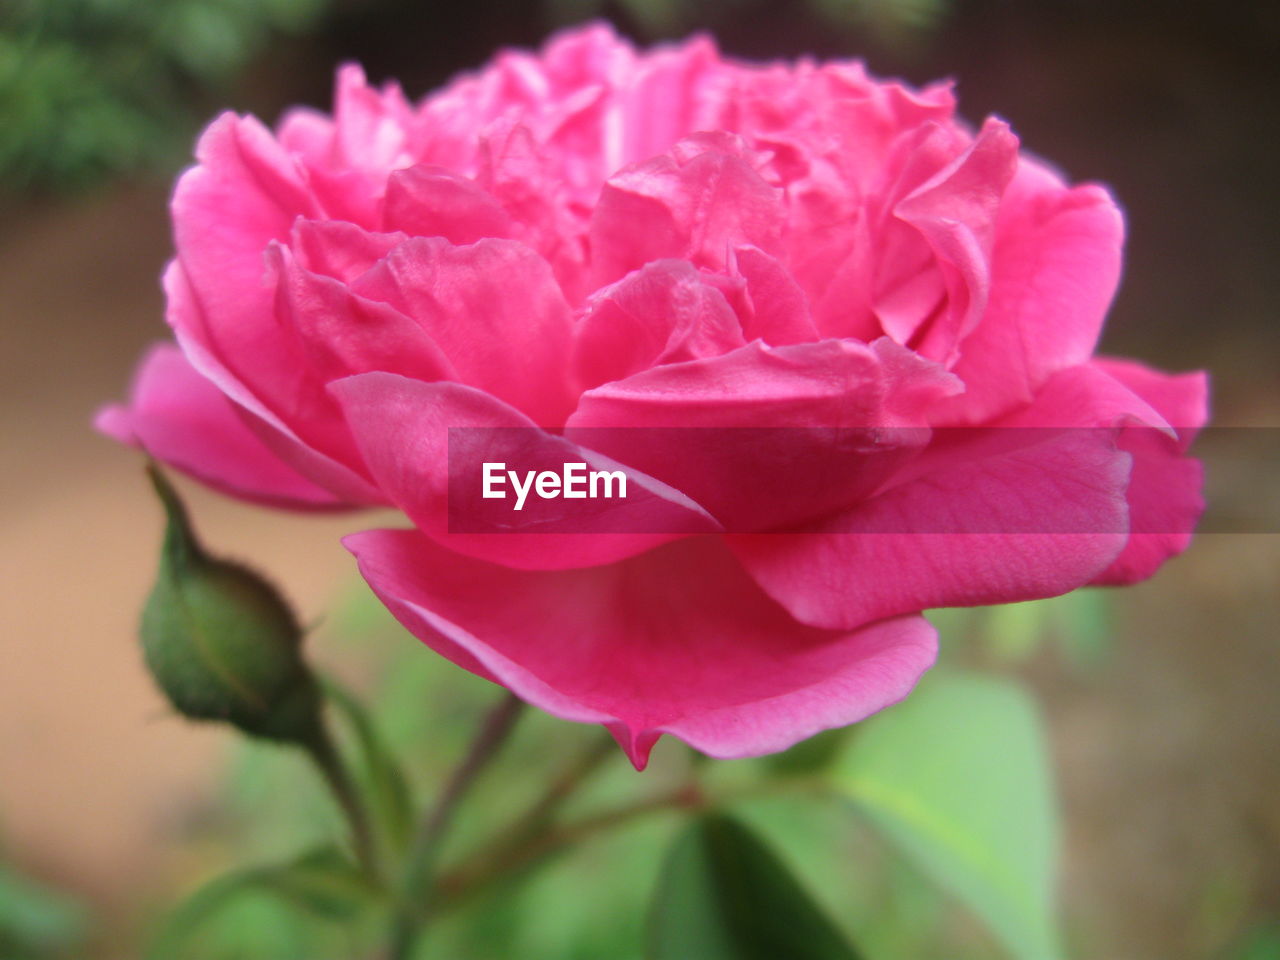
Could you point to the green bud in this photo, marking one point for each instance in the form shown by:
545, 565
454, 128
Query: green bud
221, 642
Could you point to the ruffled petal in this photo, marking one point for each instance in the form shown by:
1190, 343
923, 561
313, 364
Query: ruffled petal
767, 436
1165, 498
777, 311
335, 248
676, 641
425, 201
1031, 507
341, 333
180, 418
663, 313
494, 310
1054, 271
955, 214
426, 444
341, 473
696, 203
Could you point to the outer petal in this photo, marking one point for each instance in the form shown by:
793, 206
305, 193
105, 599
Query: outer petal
1181, 399
340, 475
245, 192
1165, 499
1055, 268
180, 418
677, 641
425, 443
1029, 508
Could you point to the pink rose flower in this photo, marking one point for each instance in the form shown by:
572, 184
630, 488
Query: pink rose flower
590, 240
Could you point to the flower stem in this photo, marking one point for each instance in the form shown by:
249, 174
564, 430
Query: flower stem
601, 749
533, 824
415, 895
320, 748
503, 861
469, 879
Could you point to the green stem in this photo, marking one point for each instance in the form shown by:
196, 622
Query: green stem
469, 879
534, 823
499, 862
415, 901
322, 751
601, 749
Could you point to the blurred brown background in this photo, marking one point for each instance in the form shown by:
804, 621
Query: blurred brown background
1168, 755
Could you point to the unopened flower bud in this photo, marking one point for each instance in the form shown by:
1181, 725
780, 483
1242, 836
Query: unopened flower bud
221, 642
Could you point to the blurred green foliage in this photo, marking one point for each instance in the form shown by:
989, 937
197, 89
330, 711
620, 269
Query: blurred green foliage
1261, 944
926, 831
96, 88
724, 895
891, 21
957, 776
317, 906
37, 923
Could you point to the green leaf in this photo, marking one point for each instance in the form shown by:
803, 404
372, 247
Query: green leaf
36, 922
314, 906
723, 895
1262, 943
957, 777
1015, 631
810, 756
1083, 625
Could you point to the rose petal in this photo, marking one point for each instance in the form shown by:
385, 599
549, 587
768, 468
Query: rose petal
494, 310
335, 248
341, 474
180, 418
669, 96
342, 334
244, 193
767, 436
676, 641
372, 126
1181, 400
955, 213
403, 428
1054, 270
661, 313
1164, 495
779, 311
696, 203
425, 201
1028, 508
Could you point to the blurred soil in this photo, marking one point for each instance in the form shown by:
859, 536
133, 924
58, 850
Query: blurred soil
96, 776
